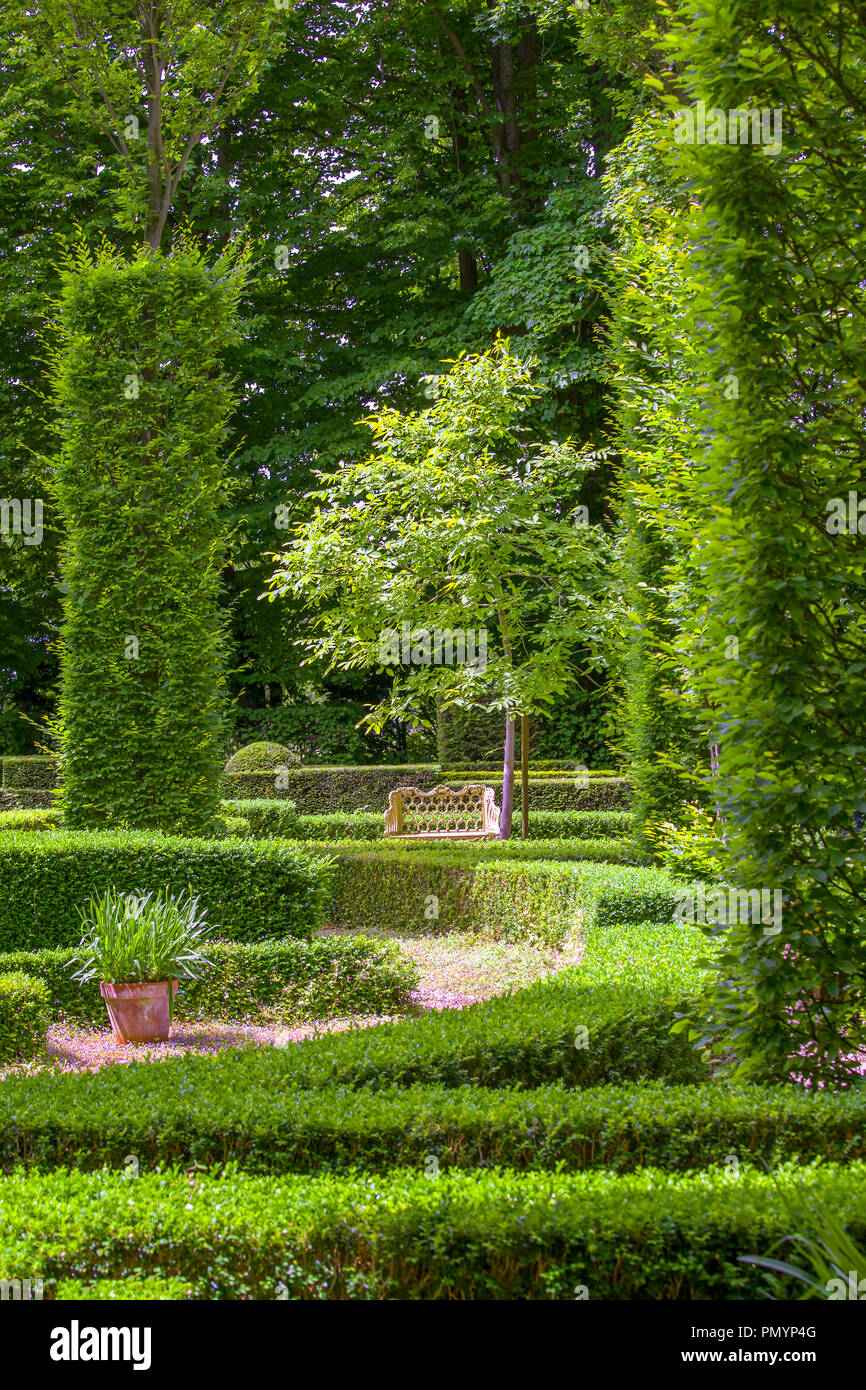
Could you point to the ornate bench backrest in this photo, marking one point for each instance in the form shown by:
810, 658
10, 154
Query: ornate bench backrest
441, 811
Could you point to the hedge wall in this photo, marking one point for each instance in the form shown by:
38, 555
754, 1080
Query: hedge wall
287, 980
322, 790
521, 1040
618, 1129
546, 900
481, 1235
250, 889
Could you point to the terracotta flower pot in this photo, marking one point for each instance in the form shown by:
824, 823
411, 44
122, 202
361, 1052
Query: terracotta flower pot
139, 1012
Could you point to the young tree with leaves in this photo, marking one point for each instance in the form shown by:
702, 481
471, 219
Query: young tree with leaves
455, 521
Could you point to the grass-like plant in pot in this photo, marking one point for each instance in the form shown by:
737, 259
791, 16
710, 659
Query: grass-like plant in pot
138, 947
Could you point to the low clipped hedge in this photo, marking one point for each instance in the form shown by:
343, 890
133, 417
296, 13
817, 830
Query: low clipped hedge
481, 1235
271, 817
370, 825
34, 818
626, 994
292, 981
147, 1290
517, 896
425, 892
268, 817
251, 890
23, 1014
32, 774
615, 1128
324, 790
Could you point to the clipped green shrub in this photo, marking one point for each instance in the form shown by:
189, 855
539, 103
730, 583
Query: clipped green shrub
324, 790
370, 825
619, 1129
30, 774
288, 980
23, 800
430, 892
648, 1235
510, 894
143, 405
266, 817
631, 986
261, 757
491, 851
20, 819
250, 890
23, 1016
147, 1290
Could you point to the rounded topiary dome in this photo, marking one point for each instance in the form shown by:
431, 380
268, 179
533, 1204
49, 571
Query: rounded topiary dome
261, 757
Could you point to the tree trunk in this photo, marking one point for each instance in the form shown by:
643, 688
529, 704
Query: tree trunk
507, 781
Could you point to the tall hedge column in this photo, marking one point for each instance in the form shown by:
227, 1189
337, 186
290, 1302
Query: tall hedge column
143, 406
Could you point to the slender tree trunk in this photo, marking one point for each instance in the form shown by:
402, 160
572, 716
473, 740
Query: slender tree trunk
507, 781
524, 776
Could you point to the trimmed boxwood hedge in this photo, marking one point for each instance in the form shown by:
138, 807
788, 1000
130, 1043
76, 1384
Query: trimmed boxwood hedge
269, 816
34, 774
23, 1014
508, 897
321, 790
250, 889
626, 993
370, 825
248, 982
149, 1289
480, 1235
615, 1128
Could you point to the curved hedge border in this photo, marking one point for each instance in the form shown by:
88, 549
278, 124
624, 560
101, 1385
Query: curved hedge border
289, 980
329, 789
625, 994
250, 889
480, 1235
23, 1013
616, 1128
543, 899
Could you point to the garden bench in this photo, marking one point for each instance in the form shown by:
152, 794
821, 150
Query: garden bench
442, 814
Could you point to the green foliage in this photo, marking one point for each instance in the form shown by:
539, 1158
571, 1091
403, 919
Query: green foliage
261, 757
617, 1129
287, 980
447, 493
23, 1016
778, 282
142, 409
148, 1289
127, 939
694, 847
267, 818
37, 773
454, 889
29, 819
627, 992
325, 790
322, 733
254, 890
658, 578
649, 1235
835, 1265
370, 825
